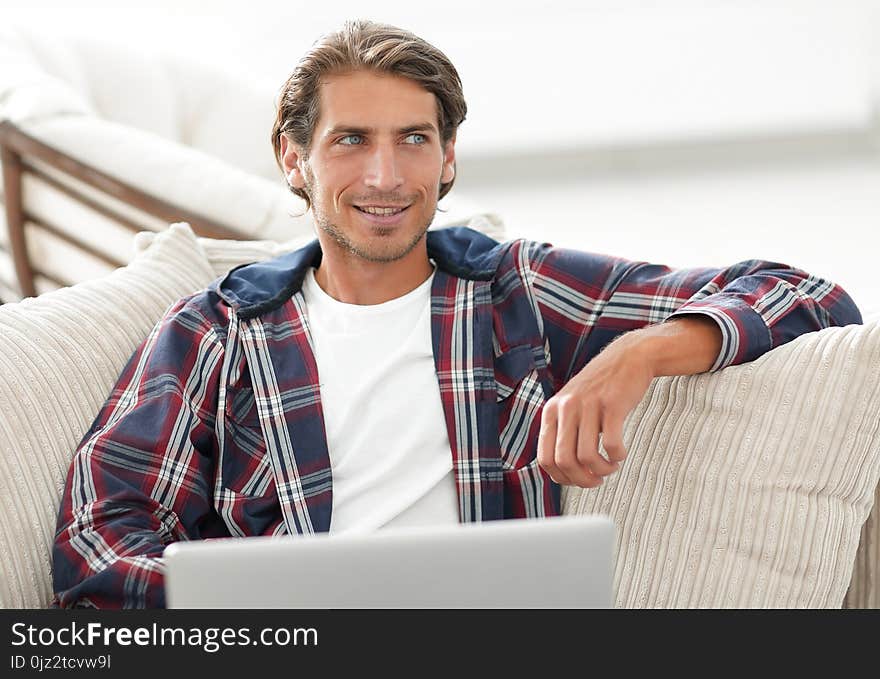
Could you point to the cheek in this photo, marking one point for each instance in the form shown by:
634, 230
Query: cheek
332, 184
426, 178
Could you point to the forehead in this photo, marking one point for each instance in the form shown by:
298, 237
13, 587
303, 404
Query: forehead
376, 100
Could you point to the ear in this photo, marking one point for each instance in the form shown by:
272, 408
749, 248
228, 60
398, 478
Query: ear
291, 161
448, 162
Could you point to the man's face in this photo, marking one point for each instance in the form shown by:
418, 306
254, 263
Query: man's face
375, 166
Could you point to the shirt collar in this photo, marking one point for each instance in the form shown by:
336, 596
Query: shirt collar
254, 289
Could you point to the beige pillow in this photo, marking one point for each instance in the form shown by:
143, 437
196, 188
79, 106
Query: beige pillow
749, 487
60, 355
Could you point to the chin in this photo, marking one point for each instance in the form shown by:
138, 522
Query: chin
387, 247
375, 242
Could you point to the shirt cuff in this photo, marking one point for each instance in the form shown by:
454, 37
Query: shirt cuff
744, 334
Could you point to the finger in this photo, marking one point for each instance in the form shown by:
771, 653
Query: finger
588, 447
568, 426
547, 443
612, 436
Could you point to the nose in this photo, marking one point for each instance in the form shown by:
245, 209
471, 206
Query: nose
383, 170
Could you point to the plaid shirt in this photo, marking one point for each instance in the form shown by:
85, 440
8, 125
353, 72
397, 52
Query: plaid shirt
215, 426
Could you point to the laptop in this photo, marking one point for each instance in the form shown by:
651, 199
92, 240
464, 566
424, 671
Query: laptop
558, 562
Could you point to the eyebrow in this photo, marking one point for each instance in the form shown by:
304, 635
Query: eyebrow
354, 129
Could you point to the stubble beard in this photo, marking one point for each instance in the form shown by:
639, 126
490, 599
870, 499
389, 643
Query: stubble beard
385, 250
382, 252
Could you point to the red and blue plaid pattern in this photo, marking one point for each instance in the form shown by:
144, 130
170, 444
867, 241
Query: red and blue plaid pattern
215, 427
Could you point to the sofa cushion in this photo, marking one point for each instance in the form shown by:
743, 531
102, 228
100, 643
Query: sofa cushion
749, 487
40, 78
232, 128
126, 84
59, 356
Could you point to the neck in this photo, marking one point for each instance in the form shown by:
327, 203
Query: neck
354, 280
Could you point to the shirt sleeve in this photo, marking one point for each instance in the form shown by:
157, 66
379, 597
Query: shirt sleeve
141, 477
585, 300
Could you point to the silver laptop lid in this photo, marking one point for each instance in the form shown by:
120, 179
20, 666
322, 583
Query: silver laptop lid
560, 562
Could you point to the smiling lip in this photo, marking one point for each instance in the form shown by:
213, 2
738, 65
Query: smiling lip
383, 220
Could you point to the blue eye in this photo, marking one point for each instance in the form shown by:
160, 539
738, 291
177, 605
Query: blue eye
418, 138
357, 137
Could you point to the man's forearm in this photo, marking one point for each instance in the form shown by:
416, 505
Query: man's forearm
682, 346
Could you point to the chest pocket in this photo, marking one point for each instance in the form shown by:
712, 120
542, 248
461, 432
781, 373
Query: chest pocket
520, 398
511, 368
244, 467
241, 407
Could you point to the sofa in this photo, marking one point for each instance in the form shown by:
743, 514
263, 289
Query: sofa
752, 487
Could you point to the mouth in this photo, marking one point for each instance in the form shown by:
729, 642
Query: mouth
382, 214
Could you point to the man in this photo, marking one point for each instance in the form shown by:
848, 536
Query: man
384, 375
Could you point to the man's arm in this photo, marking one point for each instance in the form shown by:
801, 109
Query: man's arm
142, 476
612, 325
598, 399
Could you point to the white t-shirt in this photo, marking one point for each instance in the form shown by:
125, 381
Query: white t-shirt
386, 432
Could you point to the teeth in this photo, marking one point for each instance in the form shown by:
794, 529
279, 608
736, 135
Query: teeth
382, 210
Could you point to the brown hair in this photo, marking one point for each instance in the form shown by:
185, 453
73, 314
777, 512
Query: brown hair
369, 46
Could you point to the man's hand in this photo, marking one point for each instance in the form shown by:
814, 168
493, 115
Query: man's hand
595, 402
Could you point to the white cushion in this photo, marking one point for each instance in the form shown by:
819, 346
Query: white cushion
39, 78
749, 487
226, 114
221, 112
127, 84
183, 176
60, 354
53, 74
